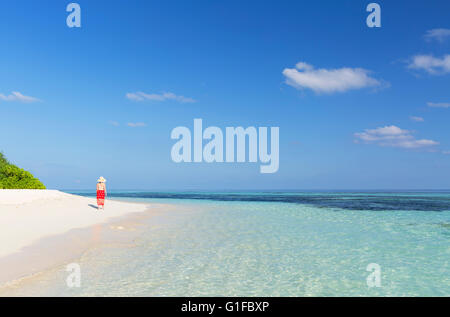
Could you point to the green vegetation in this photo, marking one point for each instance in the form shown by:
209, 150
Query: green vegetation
13, 177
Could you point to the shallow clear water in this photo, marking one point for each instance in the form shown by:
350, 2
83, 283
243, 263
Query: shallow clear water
261, 247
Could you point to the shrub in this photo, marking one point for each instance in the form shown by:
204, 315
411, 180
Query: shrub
3, 159
13, 177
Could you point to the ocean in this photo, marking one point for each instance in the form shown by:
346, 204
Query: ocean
273, 244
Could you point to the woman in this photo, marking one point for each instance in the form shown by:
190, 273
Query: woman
101, 192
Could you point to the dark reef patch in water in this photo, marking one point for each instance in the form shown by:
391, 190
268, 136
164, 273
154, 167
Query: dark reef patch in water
350, 201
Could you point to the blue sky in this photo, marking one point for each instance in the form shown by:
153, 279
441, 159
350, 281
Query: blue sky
345, 113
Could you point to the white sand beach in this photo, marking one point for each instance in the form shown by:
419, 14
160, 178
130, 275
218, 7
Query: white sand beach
44, 230
26, 216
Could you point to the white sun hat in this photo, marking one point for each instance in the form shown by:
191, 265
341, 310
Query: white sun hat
101, 180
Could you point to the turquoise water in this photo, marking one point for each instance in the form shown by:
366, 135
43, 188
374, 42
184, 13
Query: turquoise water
316, 244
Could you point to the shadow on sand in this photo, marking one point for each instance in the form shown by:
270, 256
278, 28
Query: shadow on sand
93, 206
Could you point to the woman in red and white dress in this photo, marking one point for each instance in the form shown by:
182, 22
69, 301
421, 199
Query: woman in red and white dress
101, 193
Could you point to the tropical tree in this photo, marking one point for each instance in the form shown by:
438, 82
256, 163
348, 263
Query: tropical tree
13, 177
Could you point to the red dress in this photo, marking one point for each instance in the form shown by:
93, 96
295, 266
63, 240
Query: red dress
101, 197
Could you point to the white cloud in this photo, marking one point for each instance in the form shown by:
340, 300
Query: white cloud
439, 104
328, 80
437, 34
114, 123
393, 136
136, 124
141, 96
417, 119
446, 152
431, 64
17, 96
